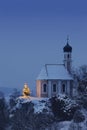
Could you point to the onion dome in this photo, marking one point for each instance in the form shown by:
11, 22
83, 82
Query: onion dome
67, 47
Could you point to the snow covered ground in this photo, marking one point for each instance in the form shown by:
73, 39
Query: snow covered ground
39, 103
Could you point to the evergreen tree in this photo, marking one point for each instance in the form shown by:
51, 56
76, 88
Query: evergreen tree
63, 107
13, 97
24, 118
81, 76
3, 112
78, 117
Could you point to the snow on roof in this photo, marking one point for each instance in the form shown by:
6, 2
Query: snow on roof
54, 71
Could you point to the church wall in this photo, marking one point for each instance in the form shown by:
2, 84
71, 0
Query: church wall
38, 88
67, 61
44, 94
68, 88
49, 89
59, 88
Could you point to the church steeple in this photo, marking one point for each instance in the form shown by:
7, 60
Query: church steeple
67, 55
67, 47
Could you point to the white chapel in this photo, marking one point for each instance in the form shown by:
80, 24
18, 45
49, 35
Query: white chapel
56, 79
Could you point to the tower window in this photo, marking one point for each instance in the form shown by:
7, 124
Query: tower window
45, 88
63, 88
68, 56
54, 88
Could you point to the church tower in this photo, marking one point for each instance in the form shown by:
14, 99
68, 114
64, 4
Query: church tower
67, 56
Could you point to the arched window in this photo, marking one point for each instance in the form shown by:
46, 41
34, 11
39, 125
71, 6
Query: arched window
68, 56
54, 88
44, 88
63, 88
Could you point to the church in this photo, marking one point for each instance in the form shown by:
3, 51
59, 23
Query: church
56, 79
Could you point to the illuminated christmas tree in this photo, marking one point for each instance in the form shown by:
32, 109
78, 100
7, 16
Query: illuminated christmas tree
26, 90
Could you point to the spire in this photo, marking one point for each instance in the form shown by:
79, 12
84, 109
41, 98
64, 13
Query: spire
67, 39
67, 55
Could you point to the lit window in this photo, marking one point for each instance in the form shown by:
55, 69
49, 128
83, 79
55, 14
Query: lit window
54, 88
63, 88
45, 88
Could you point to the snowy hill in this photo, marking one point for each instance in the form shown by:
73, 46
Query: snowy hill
32, 113
43, 113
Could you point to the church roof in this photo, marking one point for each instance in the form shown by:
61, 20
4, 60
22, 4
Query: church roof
54, 71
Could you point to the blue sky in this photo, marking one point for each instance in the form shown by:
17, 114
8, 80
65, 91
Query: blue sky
33, 32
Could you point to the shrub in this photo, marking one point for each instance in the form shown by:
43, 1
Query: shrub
78, 117
63, 108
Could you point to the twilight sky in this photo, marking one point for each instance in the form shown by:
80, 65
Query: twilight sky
33, 32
